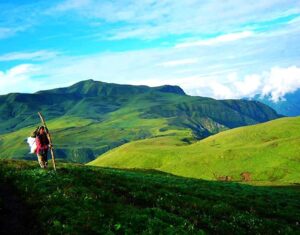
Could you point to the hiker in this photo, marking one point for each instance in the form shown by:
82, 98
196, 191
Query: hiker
42, 146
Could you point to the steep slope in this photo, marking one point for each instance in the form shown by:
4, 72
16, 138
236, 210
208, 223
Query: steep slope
90, 117
268, 152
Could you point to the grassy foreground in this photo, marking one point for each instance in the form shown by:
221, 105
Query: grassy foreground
269, 152
80, 199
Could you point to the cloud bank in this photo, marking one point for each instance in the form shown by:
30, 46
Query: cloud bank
275, 84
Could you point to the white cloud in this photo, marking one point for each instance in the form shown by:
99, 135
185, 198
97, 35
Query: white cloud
150, 19
217, 40
70, 5
147, 19
275, 83
16, 79
6, 32
18, 17
249, 86
221, 91
280, 81
226, 66
37, 55
13, 30
179, 62
26, 78
222, 71
295, 20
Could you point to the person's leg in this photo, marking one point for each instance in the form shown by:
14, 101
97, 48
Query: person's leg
45, 159
40, 160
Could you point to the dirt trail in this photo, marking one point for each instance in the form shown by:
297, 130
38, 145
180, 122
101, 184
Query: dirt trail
15, 217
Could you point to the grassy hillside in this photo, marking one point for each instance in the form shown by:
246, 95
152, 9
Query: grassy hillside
86, 200
270, 152
80, 140
90, 118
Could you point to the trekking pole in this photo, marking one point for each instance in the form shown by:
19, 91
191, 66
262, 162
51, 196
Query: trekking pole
49, 138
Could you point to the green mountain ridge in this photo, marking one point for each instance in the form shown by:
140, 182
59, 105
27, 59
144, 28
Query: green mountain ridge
90, 117
96, 88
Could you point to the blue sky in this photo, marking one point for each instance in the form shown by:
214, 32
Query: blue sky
221, 49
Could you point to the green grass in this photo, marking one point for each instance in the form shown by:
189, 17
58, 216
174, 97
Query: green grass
80, 140
13, 145
80, 199
269, 151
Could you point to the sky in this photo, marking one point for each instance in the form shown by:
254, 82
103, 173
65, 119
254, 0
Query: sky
217, 48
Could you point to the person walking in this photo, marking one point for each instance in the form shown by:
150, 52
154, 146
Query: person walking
42, 146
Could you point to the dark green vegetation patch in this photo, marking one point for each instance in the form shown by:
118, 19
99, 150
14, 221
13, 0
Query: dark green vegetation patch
84, 200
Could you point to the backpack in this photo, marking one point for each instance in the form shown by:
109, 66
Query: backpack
31, 140
35, 132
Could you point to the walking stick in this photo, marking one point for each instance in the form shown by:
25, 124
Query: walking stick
49, 138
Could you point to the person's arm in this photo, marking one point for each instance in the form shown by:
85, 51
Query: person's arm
47, 140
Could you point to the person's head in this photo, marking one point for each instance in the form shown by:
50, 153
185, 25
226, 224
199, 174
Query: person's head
42, 130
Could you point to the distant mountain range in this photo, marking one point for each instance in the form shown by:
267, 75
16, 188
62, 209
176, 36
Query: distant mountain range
91, 117
289, 106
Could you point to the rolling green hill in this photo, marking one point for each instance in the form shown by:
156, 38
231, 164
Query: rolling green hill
93, 200
89, 118
269, 152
